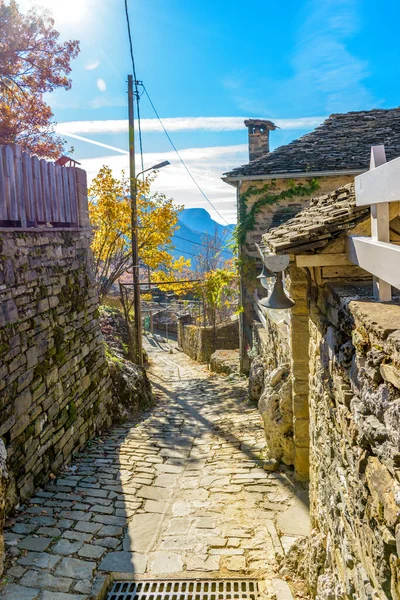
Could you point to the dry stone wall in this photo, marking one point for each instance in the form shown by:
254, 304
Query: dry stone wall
198, 342
54, 383
355, 447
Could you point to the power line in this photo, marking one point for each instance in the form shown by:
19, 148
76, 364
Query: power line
130, 42
136, 83
181, 159
137, 95
140, 132
199, 244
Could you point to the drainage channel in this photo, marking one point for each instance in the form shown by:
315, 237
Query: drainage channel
216, 589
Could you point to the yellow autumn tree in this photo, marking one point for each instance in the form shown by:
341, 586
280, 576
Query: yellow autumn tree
110, 215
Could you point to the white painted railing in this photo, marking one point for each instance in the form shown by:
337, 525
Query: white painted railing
378, 187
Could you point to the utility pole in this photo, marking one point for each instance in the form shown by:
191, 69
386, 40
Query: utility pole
134, 228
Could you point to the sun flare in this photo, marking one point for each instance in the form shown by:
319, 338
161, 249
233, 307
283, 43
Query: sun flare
64, 11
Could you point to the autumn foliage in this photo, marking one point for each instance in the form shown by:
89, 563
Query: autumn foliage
32, 63
110, 215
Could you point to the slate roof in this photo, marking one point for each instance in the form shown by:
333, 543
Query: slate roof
343, 142
314, 227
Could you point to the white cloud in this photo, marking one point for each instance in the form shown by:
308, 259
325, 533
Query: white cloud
181, 124
92, 66
206, 165
101, 84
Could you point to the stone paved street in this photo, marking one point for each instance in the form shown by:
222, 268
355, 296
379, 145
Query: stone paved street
183, 493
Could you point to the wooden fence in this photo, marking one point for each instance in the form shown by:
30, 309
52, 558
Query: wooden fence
38, 193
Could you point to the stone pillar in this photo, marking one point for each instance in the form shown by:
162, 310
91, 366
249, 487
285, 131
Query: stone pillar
300, 371
182, 321
3, 485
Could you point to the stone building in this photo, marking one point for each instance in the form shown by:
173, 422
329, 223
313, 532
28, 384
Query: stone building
328, 382
274, 186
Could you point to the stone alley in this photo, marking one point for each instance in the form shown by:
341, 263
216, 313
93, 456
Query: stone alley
181, 494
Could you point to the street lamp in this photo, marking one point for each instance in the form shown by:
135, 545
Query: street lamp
160, 165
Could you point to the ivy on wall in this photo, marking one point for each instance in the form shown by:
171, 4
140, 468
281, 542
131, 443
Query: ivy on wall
267, 196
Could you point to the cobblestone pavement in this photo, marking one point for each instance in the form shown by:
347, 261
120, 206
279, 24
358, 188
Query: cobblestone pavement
183, 493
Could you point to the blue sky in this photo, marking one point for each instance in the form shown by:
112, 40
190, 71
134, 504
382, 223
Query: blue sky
293, 62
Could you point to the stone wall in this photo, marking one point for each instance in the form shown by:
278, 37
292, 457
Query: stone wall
54, 383
355, 446
198, 342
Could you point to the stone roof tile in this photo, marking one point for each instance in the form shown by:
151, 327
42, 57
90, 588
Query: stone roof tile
314, 227
342, 143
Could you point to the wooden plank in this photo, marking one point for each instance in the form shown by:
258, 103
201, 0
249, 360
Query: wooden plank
19, 184
65, 183
381, 184
378, 156
322, 260
60, 193
381, 259
3, 205
82, 191
37, 179
55, 207
46, 191
348, 272
12, 205
380, 230
73, 194
29, 188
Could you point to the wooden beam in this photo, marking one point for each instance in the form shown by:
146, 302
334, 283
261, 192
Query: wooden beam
322, 260
381, 184
381, 259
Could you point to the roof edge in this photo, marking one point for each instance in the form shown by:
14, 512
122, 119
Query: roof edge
302, 174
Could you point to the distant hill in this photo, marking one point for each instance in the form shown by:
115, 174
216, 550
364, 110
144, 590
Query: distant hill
194, 225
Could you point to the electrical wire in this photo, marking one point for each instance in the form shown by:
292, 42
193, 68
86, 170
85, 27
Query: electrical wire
140, 132
137, 95
181, 159
200, 244
130, 42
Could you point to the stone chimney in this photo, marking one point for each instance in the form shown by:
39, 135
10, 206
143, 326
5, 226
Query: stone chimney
259, 137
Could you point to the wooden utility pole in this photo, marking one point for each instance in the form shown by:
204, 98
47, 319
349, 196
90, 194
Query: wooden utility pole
134, 228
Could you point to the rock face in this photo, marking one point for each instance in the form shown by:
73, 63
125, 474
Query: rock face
54, 382
355, 451
225, 361
270, 383
3, 484
275, 406
131, 388
256, 378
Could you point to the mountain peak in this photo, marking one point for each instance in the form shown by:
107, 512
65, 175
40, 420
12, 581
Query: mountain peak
200, 220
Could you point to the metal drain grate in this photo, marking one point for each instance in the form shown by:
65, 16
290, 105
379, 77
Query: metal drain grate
185, 590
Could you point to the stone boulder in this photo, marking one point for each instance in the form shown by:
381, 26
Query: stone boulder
275, 406
225, 361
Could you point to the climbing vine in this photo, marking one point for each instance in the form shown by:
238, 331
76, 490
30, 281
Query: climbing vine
267, 195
